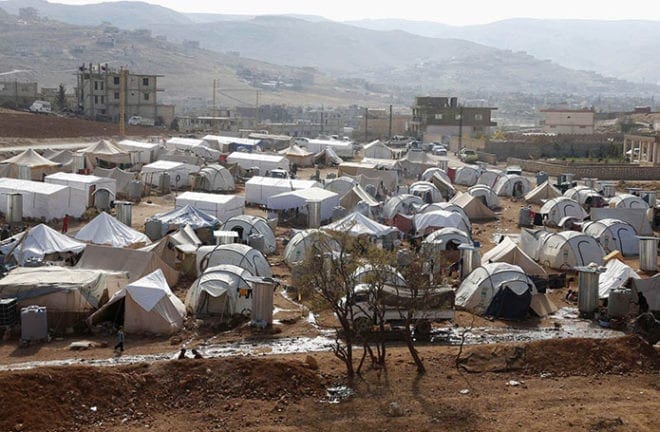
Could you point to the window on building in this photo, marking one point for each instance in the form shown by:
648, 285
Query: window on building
96, 99
145, 81
438, 116
116, 80
117, 95
478, 117
96, 85
101, 85
102, 99
146, 96
583, 127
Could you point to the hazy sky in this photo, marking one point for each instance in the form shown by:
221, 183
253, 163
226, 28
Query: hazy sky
446, 11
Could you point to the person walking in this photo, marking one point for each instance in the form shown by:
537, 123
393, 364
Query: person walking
120, 339
65, 224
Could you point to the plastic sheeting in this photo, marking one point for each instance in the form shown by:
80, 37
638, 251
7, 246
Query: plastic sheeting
39, 241
221, 207
84, 183
439, 219
616, 275
107, 230
258, 188
542, 193
187, 215
216, 292
43, 200
357, 224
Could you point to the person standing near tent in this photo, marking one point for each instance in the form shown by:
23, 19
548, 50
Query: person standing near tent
120, 339
65, 224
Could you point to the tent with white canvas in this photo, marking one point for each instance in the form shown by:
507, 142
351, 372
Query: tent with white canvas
217, 292
425, 222
258, 188
214, 178
473, 207
105, 151
563, 250
356, 224
512, 185
141, 152
377, 150
300, 199
186, 215
616, 275
43, 200
490, 177
236, 254
613, 234
147, 305
508, 252
39, 242
123, 178
247, 226
179, 173
86, 183
556, 209
107, 230
265, 162
221, 207
467, 175
356, 195
29, 165
628, 201
304, 241
447, 238
340, 185
298, 155
584, 195
542, 193
486, 194
404, 204
427, 191
428, 174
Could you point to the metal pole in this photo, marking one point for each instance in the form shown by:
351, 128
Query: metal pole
460, 129
258, 117
366, 125
215, 111
122, 101
390, 128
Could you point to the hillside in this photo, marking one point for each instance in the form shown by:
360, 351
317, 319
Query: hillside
623, 49
391, 59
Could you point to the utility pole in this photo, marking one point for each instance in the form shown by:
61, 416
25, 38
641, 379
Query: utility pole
258, 115
366, 125
460, 129
122, 101
322, 120
390, 128
215, 109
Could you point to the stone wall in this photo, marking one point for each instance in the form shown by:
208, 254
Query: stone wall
602, 172
560, 146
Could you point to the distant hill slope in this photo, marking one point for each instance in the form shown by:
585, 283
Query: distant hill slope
625, 49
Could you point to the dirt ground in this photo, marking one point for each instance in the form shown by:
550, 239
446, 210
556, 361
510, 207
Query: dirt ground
581, 385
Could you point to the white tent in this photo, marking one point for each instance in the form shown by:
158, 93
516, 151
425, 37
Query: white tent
221, 207
508, 252
215, 178
340, 185
258, 189
616, 275
444, 186
377, 150
178, 172
356, 224
613, 234
490, 177
568, 249
247, 226
487, 195
446, 206
300, 198
43, 200
186, 215
467, 175
497, 289
542, 193
37, 243
439, 219
107, 230
444, 237
228, 143
106, 151
512, 185
236, 254
123, 178
556, 209
581, 194
404, 204
428, 174
29, 165
86, 183
473, 207
265, 162
393, 278
145, 152
415, 162
298, 156
149, 306
340, 147
303, 241
356, 195
217, 292
636, 217
628, 201
427, 191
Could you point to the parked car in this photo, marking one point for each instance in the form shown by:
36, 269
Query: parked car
468, 155
40, 106
140, 121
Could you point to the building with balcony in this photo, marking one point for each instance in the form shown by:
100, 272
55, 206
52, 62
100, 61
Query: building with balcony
440, 118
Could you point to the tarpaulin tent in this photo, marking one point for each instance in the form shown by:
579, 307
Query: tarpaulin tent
446, 206
636, 217
490, 177
258, 189
340, 147
236, 254
467, 175
508, 252
86, 183
486, 194
512, 185
304, 241
220, 206
439, 219
404, 204
265, 162
298, 155
447, 238
123, 178
556, 209
628, 201
650, 289
414, 163
35, 165
340, 185
217, 292
141, 152
426, 175
377, 150
613, 234
473, 207
356, 224
179, 173
444, 186
105, 151
616, 275
356, 195
37, 243
542, 193
226, 144
186, 215
497, 289
427, 191
148, 306
43, 200
563, 250
107, 230
214, 178
248, 225
583, 195
300, 198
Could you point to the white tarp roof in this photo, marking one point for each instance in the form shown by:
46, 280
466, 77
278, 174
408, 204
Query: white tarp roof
542, 192
107, 151
439, 219
299, 199
616, 275
236, 254
258, 188
265, 162
558, 208
216, 291
221, 206
357, 224
187, 215
107, 230
39, 241
82, 182
30, 158
43, 200
628, 201
507, 251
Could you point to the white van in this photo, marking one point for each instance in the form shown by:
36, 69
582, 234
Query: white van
40, 107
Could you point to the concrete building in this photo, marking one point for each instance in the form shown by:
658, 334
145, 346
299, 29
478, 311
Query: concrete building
377, 125
17, 94
565, 121
642, 149
438, 118
98, 94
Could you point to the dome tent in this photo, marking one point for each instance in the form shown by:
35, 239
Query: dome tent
628, 201
445, 237
569, 249
500, 290
428, 174
512, 185
487, 195
217, 292
584, 195
403, 203
426, 191
613, 234
362, 275
467, 175
439, 219
214, 178
236, 254
556, 209
302, 242
248, 225
490, 177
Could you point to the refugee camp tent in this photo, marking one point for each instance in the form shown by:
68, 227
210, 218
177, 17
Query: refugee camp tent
585, 196
444, 186
486, 194
447, 207
613, 234
382, 164
427, 191
134, 263
542, 193
121, 177
340, 185
197, 147
214, 178
141, 152
217, 292
356, 195
63, 157
147, 305
38, 243
342, 148
369, 273
467, 175
439, 219
628, 201
178, 172
237, 254
89, 184
616, 275
490, 177
298, 155
304, 241
186, 215
258, 189
650, 289
107, 230
556, 209
636, 217
377, 150
500, 290
512, 185
404, 204
426, 175
447, 238
356, 224
415, 162
221, 207
508, 252
178, 249
227, 144
265, 162
105, 151
28, 165
43, 200
248, 226
473, 207
563, 250
299, 199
